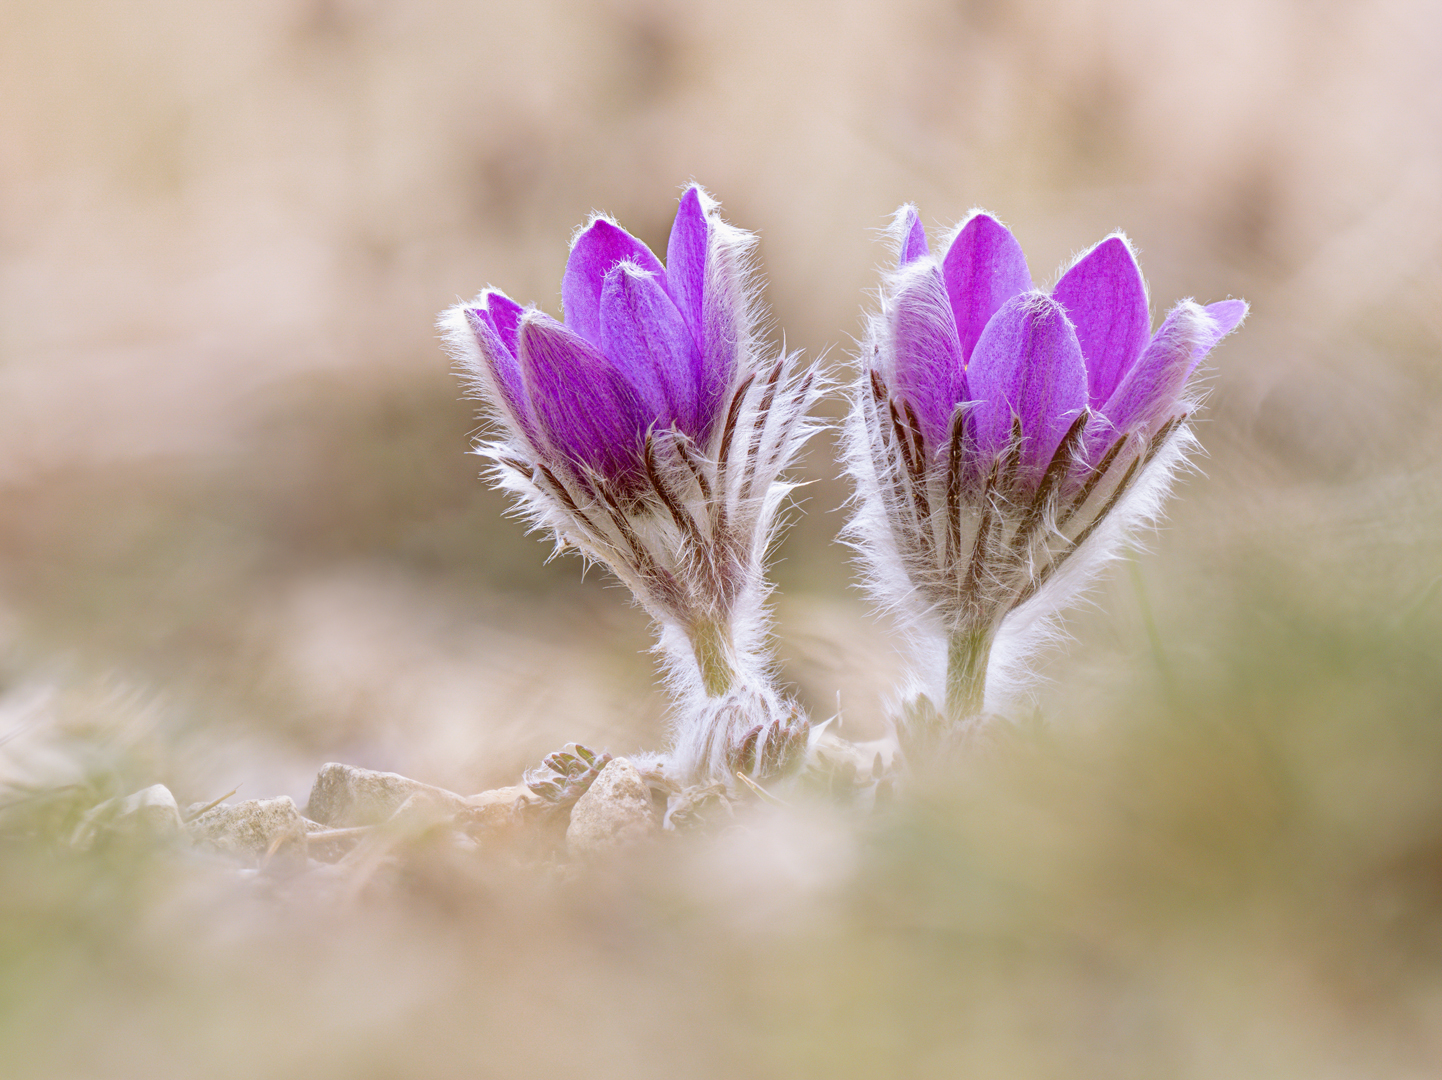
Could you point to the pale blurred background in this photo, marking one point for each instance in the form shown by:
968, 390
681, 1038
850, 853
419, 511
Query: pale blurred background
240, 534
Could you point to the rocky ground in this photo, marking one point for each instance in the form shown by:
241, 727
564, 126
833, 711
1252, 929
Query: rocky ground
355, 814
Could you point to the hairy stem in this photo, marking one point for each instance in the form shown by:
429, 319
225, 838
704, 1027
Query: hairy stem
711, 644
967, 653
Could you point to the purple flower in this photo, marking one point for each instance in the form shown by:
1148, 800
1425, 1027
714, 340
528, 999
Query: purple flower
643, 348
1005, 440
648, 431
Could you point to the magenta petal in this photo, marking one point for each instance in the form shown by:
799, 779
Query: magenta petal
502, 374
704, 278
724, 319
644, 335
686, 259
1028, 365
1104, 295
600, 246
929, 371
585, 410
1151, 390
505, 317
983, 268
913, 237
1227, 315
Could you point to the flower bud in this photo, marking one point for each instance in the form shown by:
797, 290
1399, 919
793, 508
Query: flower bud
649, 431
1005, 442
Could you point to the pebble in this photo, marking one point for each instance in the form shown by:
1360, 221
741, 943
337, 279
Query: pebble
615, 811
500, 807
253, 829
345, 796
151, 812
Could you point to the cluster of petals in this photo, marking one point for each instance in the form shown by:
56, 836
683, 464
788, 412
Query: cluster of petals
643, 347
968, 330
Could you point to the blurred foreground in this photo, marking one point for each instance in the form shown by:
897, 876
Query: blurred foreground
1239, 873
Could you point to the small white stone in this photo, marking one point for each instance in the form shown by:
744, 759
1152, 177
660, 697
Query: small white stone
150, 812
615, 811
252, 829
345, 796
500, 807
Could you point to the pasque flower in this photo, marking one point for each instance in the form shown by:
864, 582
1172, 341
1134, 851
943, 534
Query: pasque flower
649, 431
1004, 442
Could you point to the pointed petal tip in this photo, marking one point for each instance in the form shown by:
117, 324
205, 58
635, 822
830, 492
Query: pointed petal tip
1118, 246
923, 347
910, 235
686, 255
1154, 386
979, 222
646, 338
599, 224
976, 224
480, 302
594, 250
488, 362
1227, 315
1115, 251
1037, 304
489, 293
697, 195
1040, 302
692, 202
534, 320
984, 267
1028, 364
505, 315
984, 218
630, 269
1106, 298
601, 242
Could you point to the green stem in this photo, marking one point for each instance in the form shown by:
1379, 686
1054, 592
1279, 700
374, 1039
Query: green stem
711, 644
967, 653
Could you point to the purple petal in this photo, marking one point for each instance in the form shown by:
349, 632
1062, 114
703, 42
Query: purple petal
1150, 392
585, 410
501, 374
600, 246
686, 259
725, 322
505, 317
913, 236
1227, 315
929, 371
644, 336
983, 268
1104, 295
1027, 364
